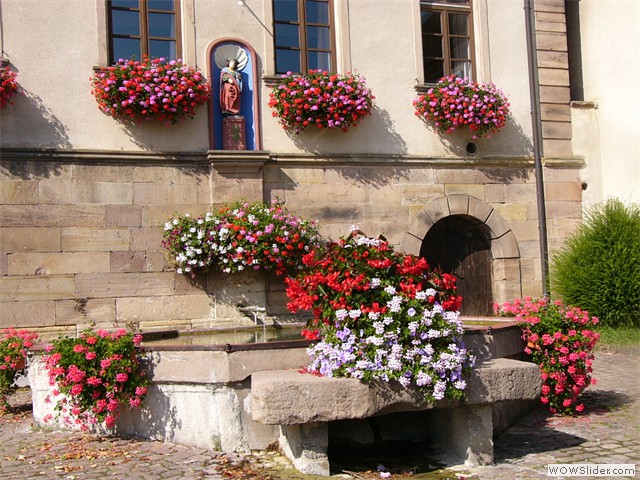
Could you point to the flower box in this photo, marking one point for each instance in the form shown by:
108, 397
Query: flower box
320, 100
152, 89
458, 103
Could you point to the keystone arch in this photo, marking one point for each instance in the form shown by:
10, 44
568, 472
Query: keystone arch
506, 272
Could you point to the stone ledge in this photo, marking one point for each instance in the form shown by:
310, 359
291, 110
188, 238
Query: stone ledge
287, 397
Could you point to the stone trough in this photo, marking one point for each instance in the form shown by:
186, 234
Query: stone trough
238, 397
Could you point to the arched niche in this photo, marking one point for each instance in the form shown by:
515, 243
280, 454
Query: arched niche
250, 104
504, 252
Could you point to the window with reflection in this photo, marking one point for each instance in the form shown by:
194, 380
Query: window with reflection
447, 39
303, 35
139, 28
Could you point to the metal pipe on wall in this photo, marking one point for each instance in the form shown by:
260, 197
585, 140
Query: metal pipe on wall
534, 90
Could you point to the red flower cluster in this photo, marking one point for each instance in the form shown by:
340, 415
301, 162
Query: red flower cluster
340, 276
95, 374
456, 103
151, 89
559, 339
8, 86
321, 100
13, 352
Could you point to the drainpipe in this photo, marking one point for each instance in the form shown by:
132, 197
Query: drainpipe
534, 90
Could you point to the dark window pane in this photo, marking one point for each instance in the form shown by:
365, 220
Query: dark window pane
125, 23
162, 25
432, 46
162, 48
287, 35
125, 3
319, 61
459, 47
126, 48
285, 10
287, 61
319, 37
461, 69
433, 70
164, 5
318, 12
458, 24
430, 22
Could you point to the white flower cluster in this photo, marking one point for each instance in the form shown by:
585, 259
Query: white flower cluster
416, 343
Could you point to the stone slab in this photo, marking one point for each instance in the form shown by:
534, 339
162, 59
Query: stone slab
287, 397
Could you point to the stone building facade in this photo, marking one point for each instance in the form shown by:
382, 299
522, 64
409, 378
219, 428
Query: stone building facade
83, 197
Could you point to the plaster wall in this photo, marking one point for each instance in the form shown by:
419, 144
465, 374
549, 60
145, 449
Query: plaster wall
610, 132
58, 110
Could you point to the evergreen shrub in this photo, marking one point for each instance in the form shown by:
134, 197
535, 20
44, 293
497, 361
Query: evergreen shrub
598, 268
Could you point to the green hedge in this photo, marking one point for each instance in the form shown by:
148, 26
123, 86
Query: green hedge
598, 268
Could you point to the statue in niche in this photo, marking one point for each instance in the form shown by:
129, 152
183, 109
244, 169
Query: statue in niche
231, 59
230, 88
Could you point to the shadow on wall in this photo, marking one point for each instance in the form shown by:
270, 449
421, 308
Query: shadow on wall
378, 125
377, 131
512, 136
145, 134
31, 115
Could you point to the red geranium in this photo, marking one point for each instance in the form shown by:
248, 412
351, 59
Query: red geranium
8, 86
456, 103
560, 339
320, 99
151, 89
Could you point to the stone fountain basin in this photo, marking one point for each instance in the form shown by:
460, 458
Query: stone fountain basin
200, 394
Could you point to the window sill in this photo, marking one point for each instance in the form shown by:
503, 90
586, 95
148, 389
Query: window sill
422, 88
271, 80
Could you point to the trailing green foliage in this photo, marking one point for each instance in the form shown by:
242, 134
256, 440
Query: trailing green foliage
598, 268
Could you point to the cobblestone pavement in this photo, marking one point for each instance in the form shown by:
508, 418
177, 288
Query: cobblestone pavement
608, 432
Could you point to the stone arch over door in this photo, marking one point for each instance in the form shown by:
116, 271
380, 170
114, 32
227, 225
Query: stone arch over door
505, 269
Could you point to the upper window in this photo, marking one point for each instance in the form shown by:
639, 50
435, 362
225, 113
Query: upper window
447, 41
303, 35
139, 28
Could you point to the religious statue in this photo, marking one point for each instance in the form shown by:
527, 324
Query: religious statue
230, 88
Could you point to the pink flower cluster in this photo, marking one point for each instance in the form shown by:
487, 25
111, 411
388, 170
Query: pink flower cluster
94, 375
456, 103
151, 89
13, 352
320, 99
560, 340
8, 86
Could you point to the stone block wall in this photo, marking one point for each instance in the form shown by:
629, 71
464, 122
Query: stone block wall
80, 238
553, 76
384, 196
80, 242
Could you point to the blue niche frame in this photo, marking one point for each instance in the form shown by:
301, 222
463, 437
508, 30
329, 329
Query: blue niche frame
249, 107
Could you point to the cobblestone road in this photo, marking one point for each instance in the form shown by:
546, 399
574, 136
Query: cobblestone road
609, 432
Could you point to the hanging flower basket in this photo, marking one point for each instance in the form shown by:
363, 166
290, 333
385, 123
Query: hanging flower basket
456, 103
320, 99
251, 236
150, 90
8, 86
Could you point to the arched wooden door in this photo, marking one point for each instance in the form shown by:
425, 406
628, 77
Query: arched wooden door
458, 245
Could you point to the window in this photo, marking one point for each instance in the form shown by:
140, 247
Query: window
303, 35
139, 28
447, 42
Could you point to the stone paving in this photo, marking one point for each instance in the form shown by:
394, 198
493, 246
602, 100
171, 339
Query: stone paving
608, 432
